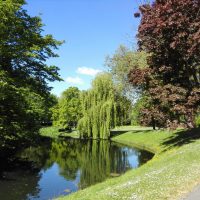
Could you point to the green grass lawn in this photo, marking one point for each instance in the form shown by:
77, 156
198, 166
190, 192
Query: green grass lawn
173, 172
53, 132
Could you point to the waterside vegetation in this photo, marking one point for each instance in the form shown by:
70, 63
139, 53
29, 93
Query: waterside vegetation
172, 173
158, 85
55, 132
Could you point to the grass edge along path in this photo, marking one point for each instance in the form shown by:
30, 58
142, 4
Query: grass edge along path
173, 172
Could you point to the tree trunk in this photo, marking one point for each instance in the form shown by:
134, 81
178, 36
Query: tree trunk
153, 123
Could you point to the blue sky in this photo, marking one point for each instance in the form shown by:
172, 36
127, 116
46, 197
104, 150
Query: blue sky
92, 29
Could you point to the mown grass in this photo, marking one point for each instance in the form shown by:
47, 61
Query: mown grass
53, 132
173, 172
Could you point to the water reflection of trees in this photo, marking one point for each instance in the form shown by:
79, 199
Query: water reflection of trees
144, 156
64, 153
95, 160
19, 179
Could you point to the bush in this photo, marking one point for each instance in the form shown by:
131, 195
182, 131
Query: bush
197, 120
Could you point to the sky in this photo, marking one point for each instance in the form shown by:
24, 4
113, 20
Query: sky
92, 30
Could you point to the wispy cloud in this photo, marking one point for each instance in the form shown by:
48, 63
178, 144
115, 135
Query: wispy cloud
75, 80
88, 71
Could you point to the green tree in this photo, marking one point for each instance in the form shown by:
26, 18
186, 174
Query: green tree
68, 110
140, 104
103, 108
49, 103
120, 65
23, 71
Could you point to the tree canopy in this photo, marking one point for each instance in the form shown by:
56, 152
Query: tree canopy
170, 32
68, 110
24, 91
121, 63
103, 108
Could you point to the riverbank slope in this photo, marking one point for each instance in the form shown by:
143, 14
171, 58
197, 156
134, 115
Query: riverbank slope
172, 173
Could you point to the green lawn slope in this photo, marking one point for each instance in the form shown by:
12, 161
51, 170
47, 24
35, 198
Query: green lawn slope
173, 172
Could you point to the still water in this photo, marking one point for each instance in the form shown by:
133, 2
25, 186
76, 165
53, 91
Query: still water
60, 167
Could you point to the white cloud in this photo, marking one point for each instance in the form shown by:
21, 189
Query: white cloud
74, 80
88, 71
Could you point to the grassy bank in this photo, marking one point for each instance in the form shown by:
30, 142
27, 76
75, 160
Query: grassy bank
173, 171
53, 132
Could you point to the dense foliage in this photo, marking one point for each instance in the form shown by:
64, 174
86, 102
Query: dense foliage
170, 32
140, 104
24, 93
119, 66
68, 110
103, 108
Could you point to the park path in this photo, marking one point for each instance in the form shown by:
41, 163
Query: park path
193, 195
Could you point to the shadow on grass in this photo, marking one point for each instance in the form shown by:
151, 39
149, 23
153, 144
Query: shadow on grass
182, 137
64, 131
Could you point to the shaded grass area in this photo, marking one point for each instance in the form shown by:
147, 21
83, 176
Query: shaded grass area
174, 170
53, 132
180, 138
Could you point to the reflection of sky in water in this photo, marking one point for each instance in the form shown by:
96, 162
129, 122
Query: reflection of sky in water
52, 184
133, 160
83, 164
132, 156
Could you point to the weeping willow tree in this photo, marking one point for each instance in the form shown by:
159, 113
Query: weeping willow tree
103, 108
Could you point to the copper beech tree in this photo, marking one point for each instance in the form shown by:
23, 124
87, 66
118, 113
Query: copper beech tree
170, 32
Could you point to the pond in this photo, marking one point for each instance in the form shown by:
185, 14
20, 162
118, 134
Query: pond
60, 167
